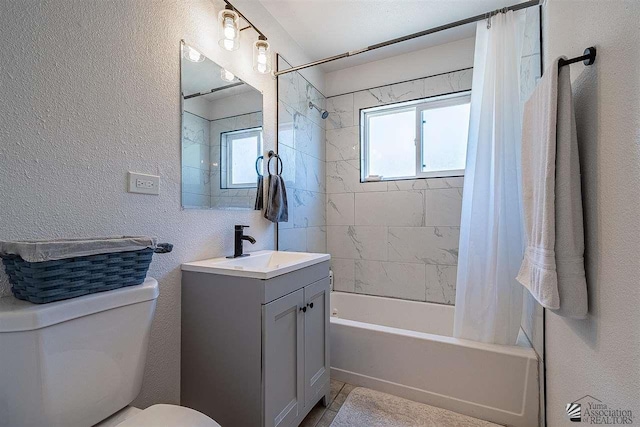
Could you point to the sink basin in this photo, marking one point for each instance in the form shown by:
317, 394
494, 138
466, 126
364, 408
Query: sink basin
258, 265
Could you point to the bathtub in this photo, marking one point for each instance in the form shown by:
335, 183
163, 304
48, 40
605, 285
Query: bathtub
405, 348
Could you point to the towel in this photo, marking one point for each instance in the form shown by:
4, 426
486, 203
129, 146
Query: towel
553, 265
277, 209
259, 204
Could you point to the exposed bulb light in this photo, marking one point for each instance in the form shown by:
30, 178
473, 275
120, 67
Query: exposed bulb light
229, 28
228, 31
227, 76
262, 56
228, 44
193, 55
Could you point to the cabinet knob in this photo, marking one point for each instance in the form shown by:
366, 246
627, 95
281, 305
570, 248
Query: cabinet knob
303, 309
310, 305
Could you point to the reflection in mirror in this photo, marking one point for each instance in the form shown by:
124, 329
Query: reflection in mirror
221, 136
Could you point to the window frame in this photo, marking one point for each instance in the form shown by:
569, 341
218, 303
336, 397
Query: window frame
227, 138
419, 105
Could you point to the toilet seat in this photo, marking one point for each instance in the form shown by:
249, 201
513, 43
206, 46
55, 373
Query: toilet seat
168, 416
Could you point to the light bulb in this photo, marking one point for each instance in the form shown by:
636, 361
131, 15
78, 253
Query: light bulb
227, 76
193, 55
261, 56
229, 29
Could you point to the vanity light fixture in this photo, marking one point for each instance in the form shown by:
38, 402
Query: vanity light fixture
192, 55
227, 76
228, 30
229, 38
262, 55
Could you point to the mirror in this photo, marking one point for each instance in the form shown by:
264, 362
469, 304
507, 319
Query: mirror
221, 135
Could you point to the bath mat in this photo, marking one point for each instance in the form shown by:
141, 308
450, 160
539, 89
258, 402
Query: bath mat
365, 407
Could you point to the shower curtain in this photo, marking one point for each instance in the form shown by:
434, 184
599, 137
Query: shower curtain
488, 297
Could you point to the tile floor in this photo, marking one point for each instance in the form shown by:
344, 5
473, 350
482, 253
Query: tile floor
321, 416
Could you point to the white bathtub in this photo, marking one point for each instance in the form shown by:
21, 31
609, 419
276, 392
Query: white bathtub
405, 348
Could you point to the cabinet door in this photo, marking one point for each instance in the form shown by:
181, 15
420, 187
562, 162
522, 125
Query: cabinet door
283, 353
316, 340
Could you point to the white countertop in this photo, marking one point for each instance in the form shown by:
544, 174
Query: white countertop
258, 265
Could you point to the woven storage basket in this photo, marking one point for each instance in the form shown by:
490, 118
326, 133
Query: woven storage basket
58, 279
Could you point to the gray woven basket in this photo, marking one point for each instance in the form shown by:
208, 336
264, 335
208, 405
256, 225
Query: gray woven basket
58, 279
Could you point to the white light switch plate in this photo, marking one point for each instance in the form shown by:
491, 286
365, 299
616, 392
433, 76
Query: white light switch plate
143, 183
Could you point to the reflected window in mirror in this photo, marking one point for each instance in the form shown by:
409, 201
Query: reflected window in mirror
221, 135
240, 149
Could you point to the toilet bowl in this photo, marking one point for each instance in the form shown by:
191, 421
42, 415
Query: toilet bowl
158, 416
79, 362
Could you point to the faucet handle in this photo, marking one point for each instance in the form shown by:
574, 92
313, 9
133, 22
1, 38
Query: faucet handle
241, 227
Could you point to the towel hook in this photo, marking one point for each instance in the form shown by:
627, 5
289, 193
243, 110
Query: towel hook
272, 154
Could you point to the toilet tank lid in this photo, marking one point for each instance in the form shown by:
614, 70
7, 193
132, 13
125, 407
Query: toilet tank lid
17, 315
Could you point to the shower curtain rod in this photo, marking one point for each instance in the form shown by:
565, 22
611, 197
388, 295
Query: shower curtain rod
217, 89
476, 18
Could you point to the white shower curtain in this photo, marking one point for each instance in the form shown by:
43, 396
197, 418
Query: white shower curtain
488, 297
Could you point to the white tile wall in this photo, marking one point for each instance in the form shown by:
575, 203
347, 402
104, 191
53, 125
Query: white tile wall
308, 208
344, 276
441, 283
340, 110
392, 238
357, 242
317, 239
443, 206
341, 209
301, 145
393, 279
344, 177
292, 239
343, 143
430, 245
390, 208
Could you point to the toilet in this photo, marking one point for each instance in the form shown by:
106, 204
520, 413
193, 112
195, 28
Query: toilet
79, 362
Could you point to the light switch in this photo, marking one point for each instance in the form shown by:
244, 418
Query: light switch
143, 183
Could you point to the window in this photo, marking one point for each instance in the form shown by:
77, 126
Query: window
240, 149
418, 139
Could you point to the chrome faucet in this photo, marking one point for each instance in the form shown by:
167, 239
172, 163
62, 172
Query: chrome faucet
238, 238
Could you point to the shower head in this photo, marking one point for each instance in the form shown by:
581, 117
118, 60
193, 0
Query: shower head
323, 113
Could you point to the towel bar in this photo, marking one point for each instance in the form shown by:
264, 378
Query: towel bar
587, 58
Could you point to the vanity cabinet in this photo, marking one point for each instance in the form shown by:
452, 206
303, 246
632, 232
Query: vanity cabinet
255, 352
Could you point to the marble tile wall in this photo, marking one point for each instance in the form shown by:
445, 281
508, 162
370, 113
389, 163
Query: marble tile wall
395, 238
229, 198
301, 145
196, 181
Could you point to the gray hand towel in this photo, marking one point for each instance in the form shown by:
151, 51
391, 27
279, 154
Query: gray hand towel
553, 265
277, 209
259, 204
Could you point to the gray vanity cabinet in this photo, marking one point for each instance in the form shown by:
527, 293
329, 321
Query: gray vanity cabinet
283, 359
316, 348
255, 353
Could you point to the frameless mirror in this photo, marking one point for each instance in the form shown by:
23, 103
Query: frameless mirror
221, 136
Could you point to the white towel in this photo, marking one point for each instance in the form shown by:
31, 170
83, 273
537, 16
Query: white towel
553, 265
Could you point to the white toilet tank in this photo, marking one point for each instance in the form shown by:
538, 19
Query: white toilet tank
73, 363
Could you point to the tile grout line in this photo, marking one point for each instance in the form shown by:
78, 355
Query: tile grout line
329, 405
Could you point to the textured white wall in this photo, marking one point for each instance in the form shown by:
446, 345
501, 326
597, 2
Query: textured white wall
600, 356
90, 90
